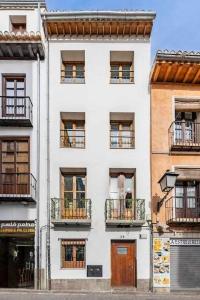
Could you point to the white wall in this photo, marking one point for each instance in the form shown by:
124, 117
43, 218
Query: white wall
97, 98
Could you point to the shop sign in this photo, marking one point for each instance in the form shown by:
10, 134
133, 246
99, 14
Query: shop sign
184, 242
161, 262
17, 227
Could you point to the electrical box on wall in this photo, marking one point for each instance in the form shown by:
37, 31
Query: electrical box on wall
94, 270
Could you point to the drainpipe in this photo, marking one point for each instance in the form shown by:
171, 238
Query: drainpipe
48, 233
38, 164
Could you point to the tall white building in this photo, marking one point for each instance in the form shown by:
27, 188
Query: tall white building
74, 147
99, 141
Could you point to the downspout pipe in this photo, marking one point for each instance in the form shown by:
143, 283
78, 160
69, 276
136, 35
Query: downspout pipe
38, 162
48, 233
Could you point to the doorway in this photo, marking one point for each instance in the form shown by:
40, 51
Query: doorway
16, 262
123, 263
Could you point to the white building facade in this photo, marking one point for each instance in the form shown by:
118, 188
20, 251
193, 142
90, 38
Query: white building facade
99, 141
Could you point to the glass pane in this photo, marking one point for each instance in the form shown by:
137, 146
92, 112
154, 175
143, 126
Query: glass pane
22, 168
8, 146
10, 84
115, 71
69, 71
22, 157
80, 125
69, 253
179, 191
68, 196
114, 189
128, 188
68, 125
191, 191
122, 250
80, 197
80, 253
22, 146
68, 200
191, 202
20, 93
80, 183
179, 202
8, 157
10, 93
20, 84
126, 71
68, 182
80, 71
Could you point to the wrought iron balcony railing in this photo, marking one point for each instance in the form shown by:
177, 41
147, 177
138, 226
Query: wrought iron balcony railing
69, 77
121, 76
70, 211
17, 187
184, 136
181, 210
131, 210
124, 139
70, 138
16, 111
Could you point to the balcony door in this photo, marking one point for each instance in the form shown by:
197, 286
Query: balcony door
14, 101
15, 166
74, 203
185, 126
187, 204
121, 196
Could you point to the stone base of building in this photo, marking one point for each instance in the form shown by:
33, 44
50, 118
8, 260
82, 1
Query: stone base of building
143, 285
81, 284
161, 290
93, 285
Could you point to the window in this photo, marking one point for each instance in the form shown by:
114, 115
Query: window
15, 165
14, 96
73, 253
121, 67
187, 194
73, 66
121, 72
18, 23
122, 133
185, 126
73, 134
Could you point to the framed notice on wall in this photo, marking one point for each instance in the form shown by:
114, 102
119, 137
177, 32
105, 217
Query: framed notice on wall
161, 262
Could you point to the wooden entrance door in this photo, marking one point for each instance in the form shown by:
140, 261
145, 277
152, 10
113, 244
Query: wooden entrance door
123, 263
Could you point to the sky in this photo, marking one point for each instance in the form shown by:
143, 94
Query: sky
177, 25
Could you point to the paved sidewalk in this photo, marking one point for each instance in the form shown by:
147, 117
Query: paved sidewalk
37, 295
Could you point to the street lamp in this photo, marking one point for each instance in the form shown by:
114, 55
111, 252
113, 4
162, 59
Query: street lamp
167, 183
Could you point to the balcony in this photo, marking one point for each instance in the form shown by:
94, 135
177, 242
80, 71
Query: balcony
70, 138
17, 187
71, 212
182, 211
184, 136
128, 212
122, 139
16, 111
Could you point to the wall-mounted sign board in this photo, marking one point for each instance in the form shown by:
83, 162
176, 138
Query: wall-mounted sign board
17, 227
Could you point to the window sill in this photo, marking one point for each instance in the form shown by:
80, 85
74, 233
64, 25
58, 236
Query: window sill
73, 81
121, 81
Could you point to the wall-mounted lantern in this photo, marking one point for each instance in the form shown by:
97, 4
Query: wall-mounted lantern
167, 183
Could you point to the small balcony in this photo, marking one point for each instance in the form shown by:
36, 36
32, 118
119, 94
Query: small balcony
182, 211
70, 138
71, 212
184, 136
17, 187
128, 212
122, 139
16, 111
